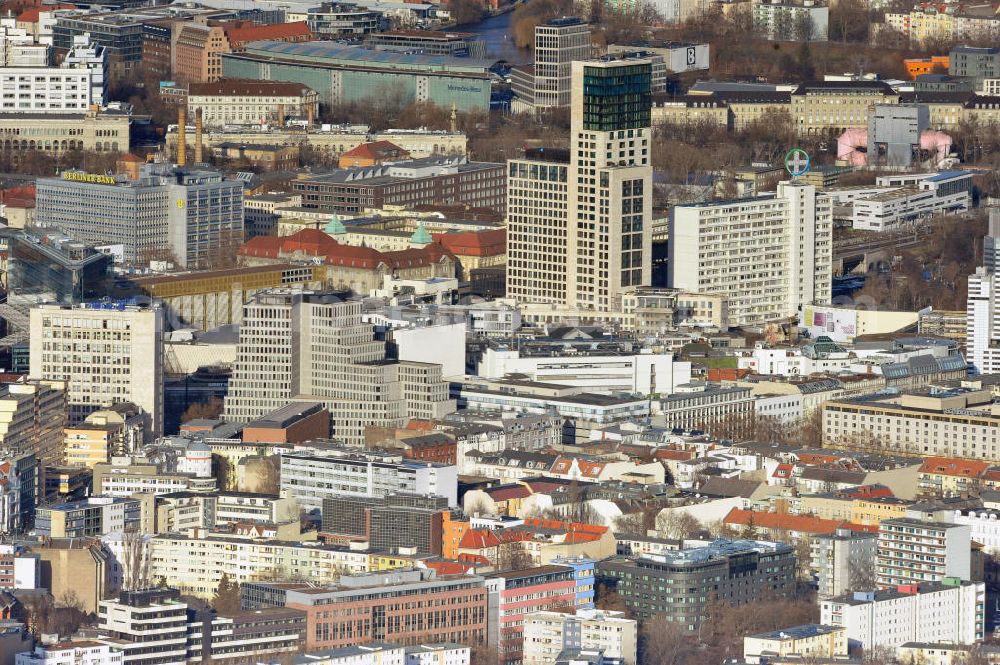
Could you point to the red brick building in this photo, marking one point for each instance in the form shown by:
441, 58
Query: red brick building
292, 423
400, 606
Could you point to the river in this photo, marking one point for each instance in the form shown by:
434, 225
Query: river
496, 32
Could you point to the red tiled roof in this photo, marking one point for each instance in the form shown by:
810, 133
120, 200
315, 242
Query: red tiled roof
797, 523
868, 492
377, 151
674, 454
782, 471
452, 567
492, 242
134, 159
817, 458
32, 15
508, 492
242, 32
313, 242
587, 468
478, 539
954, 466
19, 197
557, 525
476, 559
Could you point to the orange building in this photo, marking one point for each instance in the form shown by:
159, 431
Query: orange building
452, 532
936, 64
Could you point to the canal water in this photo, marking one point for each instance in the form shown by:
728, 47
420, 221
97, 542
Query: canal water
496, 32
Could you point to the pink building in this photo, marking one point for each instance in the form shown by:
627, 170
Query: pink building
520, 592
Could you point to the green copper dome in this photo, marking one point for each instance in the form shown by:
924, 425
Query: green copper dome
335, 227
420, 236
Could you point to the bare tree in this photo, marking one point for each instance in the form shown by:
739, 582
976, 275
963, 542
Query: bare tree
678, 524
861, 574
663, 642
135, 561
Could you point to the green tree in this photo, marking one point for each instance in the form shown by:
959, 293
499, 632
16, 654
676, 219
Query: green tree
227, 596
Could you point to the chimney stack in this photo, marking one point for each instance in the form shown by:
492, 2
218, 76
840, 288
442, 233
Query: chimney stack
181, 136
310, 114
281, 115
197, 137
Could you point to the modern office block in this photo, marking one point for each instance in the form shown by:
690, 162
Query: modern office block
106, 353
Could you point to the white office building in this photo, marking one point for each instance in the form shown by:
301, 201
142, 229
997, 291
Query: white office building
547, 84
315, 346
76, 652
107, 354
949, 612
768, 255
546, 634
933, 194
189, 215
29, 85
639, 372
311, 477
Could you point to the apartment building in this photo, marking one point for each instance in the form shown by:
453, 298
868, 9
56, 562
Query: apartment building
912, 551
125, 476
565, 223
148, 626
956, 423
949, 611
32, 413
548, 83
194, 565
177, 512
333, 359
336, 472
840, 558
547, 634
678, 583
808, 641
105, 353
118, 430
155, 626
189, 212
235, 102
93, 516
791, 20
769, 256
408, 607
